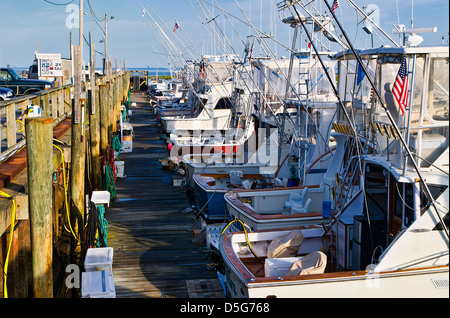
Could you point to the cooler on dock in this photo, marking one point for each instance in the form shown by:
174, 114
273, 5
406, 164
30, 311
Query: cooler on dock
127, 137
99, 284
120, 168
99, 259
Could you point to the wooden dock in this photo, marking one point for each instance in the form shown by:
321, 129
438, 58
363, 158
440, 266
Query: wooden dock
151, 237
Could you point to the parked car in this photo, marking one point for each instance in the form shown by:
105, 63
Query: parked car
6, 93
21, 86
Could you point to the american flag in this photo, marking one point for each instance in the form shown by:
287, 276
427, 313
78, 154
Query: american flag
335, 6
176, 27
400, 89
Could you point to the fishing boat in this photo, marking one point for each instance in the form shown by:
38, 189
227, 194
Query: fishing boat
210, 98
222, 163
210, 189
415, 264
388, 235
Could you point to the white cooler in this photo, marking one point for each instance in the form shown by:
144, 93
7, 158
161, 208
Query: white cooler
99, 259
98, 284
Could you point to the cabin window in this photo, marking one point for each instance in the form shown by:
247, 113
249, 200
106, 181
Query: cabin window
376, 187
404, 196
439, 226
435, 189
438, 95
224, 103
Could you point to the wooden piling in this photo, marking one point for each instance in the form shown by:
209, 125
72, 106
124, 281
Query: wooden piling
78, 164
39, 156
78, 154
110, 113
104, 118
94, 129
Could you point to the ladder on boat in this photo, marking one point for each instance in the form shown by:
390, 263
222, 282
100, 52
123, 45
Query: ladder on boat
348, 179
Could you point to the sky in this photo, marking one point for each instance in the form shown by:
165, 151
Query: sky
132, 36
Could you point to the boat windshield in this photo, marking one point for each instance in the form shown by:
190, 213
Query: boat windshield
438, 86
426, 120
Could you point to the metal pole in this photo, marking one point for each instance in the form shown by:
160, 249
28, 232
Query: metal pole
105, 65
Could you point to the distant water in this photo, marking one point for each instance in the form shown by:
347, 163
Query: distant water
152, 71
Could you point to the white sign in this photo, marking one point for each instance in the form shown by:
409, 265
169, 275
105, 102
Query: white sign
50, 65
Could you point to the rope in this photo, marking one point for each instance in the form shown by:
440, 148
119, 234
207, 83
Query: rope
13, 220
246, 237
117, 145
110, 182
65, 193
102, 226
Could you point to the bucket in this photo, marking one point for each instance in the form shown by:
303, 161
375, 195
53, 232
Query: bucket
326, 209
120, 169
34, 111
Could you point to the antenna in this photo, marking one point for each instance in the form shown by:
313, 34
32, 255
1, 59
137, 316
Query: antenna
413, 39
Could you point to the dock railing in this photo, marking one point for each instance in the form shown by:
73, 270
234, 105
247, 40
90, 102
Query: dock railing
55, 103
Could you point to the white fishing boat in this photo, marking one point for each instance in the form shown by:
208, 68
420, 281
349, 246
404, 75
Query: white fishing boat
210, 98
249, 159
414, 265
212, 112
390, 190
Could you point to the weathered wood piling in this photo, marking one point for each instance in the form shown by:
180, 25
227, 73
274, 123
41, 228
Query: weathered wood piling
39, 155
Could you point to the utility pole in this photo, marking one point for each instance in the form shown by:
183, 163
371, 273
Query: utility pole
78, 151
105, 65
81, 37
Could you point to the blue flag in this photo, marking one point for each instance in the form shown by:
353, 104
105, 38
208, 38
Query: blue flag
360, 75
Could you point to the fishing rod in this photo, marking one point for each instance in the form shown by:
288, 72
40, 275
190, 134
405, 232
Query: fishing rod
169, 44
270, 53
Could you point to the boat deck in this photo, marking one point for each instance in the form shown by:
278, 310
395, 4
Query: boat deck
153, 253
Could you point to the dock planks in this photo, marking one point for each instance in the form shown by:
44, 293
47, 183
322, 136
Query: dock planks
153, 253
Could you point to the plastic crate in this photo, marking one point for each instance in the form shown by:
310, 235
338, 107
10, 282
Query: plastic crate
99, 259
98, 284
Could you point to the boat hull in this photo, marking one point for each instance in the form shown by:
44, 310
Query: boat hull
416, 284
241, 282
